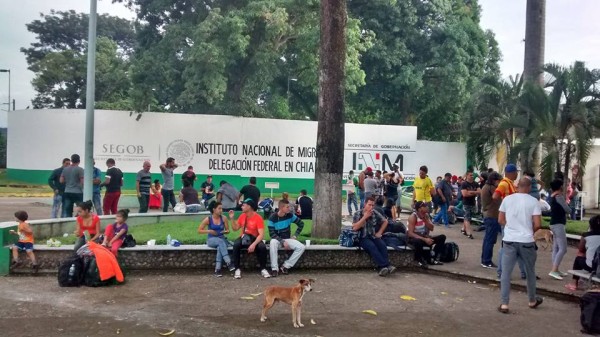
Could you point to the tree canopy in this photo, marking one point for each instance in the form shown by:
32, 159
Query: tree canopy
407, 62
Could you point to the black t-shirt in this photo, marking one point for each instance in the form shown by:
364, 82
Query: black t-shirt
469, 201
189, 176
116, 179
212, 190
306, 205
252, 192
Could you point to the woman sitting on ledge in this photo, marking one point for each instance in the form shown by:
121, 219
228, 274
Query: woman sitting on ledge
218, 226
86, 221
588, 244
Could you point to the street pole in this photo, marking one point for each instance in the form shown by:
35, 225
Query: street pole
88, 170
7, 71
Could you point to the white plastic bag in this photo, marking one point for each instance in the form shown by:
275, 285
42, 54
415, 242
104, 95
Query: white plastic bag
180, 207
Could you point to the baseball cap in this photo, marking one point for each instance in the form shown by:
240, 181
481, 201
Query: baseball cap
369, 169
454, 178
510, 168
250, 203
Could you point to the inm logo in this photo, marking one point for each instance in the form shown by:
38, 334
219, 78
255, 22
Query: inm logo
378, 161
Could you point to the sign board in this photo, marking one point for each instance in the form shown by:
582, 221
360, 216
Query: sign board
272, 185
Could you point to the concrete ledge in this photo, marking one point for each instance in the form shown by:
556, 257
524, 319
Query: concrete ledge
184, 257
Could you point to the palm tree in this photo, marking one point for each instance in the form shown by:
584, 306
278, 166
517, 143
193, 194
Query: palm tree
574, 100
491, 125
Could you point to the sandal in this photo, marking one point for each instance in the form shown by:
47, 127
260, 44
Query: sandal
538, 301
470, 236
571, 287
503, 310
463, 232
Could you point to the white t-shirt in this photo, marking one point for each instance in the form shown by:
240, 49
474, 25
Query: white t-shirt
519, 209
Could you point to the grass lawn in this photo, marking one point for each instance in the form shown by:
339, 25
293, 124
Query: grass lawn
187, 233
573, 226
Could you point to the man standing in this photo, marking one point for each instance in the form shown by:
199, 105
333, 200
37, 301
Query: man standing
72, 177
352, 180
361, 185
281, 236
189, 176
521, 216
423, 189
58, 188
96, 197
143, 180
251, 236
250, 191
370, 185
227, 195
379, 184
490, 207
469, 190
444, 194
113, 182
168, 183
505, 188
395, 182
208, 190
305, 203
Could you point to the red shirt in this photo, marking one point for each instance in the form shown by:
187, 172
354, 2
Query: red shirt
251, 225
91, 229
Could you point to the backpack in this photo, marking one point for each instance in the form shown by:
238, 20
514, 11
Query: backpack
348, 237
590, 312
596, 264
91, 277
450, 252
70, 272
267, 206
129, 241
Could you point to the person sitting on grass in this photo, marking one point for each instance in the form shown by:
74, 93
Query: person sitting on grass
280, 231
419, 227
366, 220
115, 233
25, 242
253, 232
589, 243
218, 226
86, 221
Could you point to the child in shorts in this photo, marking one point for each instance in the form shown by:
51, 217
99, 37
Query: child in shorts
25, 242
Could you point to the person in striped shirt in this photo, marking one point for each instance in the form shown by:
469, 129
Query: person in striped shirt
280, 230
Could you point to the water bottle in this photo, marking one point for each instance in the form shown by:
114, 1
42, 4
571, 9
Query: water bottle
72, 271
169, 239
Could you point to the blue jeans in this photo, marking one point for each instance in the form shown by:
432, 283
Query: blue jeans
56, 203
352, 201
499, 270
442, 214
222, 254
492, 229
195, 208
361, 195
97, 200
69, 200
377, 249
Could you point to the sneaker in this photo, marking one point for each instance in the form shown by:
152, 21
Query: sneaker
274, 273
284, 271
14, 264
218, 273
231, 267
422, 264
436, 263
555, 275
489, 266
35, 267
470, 236
391, 269
384, 272
563, 274
238, 274
265, 273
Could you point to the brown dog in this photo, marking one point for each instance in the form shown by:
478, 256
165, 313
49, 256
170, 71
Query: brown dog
289, 295
544, 235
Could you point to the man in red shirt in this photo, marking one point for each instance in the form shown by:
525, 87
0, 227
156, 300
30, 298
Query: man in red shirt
251, 236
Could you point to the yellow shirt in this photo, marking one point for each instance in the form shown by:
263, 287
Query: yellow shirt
423, 189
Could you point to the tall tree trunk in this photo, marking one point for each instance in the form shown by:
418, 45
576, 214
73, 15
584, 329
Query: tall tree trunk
327, 216
535, 36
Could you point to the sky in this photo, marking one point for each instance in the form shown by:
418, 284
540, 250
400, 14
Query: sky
572, 30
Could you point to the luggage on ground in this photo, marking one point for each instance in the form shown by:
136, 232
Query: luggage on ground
450, 252
71, 271
590, 312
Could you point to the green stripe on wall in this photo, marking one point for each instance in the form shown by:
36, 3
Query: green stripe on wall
290, 185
